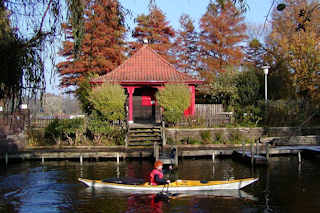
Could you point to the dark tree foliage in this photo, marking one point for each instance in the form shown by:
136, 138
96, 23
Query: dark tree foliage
28, 32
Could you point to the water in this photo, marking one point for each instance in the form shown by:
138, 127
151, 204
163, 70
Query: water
284, 186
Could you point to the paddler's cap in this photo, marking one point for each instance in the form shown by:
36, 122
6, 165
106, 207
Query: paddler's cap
158, 163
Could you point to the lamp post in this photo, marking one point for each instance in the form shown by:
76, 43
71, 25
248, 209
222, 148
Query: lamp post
266, 70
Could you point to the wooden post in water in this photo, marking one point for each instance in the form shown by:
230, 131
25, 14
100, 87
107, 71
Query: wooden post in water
118, 158
213, 157
42, 159
81, 159
257, 146
118, 171
299, 157
6, 159
243, 153
267, 152
252, 154
176, 157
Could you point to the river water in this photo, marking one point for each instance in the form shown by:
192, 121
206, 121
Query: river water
283, 186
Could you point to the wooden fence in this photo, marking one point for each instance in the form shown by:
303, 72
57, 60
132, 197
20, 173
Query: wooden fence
40, 123
208, 110
14, 122
208, 115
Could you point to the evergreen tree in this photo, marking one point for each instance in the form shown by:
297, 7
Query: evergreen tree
102, 47
222, 31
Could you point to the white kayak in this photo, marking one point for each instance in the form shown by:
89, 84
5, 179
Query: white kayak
177, 186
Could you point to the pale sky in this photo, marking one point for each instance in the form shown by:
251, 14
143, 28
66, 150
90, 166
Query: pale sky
173, 9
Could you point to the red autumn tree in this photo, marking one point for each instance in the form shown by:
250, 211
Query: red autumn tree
186, 46
102, 47
222, 31
155, 29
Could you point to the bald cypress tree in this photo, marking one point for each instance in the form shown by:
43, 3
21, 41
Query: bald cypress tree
222, 31
155, 29
186, 46
102, 47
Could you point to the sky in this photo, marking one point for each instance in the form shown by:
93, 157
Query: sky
173, 9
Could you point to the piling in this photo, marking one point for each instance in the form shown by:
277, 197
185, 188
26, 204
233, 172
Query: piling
299, 157
252, 154
118, 158
257, 146
243, 149
6, 158
81, 159
118, 171
42, 159
176, 157
267, 152
213, 157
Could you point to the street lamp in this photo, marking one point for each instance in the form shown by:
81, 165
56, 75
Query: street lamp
266, 70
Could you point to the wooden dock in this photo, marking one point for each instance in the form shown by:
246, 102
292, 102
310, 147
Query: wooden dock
248, 157
121, 153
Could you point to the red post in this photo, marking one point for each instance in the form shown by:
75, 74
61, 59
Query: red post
130, 92
193, 99
191, 109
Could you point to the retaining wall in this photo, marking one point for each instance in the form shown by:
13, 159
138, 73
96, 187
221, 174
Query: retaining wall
179, 135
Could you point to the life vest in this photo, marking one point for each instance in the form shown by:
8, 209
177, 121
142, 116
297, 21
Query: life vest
153, 174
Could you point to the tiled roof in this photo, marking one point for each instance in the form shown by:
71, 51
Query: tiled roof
143, 67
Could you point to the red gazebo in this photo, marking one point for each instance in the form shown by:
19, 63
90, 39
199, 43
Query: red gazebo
143, 74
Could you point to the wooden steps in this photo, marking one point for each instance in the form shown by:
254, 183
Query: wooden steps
144, 135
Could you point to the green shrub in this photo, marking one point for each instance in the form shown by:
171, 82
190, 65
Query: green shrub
220, 137
193, 141
174, 99
170, 141
104, 131
235, 136
35, 137
249, 116
206, 136
98, 128
53, 133
109, 100
70, 129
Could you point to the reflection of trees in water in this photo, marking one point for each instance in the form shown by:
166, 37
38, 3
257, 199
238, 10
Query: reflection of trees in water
267, 192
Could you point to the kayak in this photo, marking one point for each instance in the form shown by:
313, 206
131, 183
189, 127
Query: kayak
176, 186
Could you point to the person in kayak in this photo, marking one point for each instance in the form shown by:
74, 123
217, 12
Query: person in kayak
156, 176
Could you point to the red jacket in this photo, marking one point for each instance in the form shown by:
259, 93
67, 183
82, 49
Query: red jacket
153, 174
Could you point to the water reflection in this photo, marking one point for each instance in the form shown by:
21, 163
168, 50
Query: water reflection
53, 187
36, 190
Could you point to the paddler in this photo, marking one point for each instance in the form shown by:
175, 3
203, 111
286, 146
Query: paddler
156, 176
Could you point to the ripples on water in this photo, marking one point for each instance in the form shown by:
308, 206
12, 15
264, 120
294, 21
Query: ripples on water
284, 186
